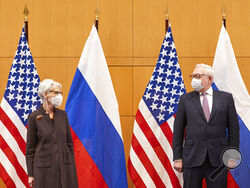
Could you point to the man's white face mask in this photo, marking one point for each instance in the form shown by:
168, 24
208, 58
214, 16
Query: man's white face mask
196, 84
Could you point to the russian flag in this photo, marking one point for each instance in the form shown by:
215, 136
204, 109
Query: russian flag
93, 114
228, 78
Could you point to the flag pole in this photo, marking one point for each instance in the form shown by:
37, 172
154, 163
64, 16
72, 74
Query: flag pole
166, 19
97, 15
166, 23
224, 16
26, 12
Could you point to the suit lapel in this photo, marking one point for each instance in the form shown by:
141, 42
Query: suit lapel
46, 116
215, 103
197, 103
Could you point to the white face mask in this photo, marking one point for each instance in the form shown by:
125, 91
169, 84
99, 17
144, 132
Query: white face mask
56, 100
196, 84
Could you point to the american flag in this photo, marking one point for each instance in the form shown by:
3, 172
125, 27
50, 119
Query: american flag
20, 99
150, 162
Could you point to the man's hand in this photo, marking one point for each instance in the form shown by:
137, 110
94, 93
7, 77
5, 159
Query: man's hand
178, 166
231, 163
31, 181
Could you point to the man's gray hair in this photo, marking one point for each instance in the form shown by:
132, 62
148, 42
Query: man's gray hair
47, 85
208, 69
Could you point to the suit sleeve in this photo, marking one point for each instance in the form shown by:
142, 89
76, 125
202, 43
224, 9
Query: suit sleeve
69, 137
31, 145
179, 128
233, 124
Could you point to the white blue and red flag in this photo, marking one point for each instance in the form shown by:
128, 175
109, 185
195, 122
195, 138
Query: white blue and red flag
228, 78
93, 114
150, 162
20, 99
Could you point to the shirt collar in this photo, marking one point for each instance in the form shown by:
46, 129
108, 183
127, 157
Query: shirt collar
209, 91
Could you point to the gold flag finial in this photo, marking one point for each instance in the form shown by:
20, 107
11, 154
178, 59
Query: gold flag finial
97, 11
166, 18
223, 16
26, 12
223, 13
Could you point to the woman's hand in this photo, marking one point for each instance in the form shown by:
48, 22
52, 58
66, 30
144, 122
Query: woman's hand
178, 166
31, 181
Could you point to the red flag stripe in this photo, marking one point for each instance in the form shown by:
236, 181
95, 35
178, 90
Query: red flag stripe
140, 169
13, 130
157, 148
167, 132
231, 183
13, 116
6, 178
88, 173
146, 162
13, 159
135, 176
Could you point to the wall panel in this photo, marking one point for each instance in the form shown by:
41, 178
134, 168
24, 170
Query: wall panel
122, 81
116, 27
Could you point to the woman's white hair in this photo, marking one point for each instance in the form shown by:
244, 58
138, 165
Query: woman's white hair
47, 85
208, 69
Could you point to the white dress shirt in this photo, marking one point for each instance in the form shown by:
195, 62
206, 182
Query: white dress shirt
209, 95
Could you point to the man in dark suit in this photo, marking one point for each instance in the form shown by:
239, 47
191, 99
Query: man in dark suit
209, 120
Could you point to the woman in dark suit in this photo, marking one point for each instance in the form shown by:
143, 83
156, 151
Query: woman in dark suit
49, 149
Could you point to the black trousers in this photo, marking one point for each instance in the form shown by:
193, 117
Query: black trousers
193, 176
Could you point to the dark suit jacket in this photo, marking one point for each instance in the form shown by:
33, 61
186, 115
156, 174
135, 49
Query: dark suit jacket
50, 148
202, 137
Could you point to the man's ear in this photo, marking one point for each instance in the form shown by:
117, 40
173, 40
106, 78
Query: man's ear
211, 79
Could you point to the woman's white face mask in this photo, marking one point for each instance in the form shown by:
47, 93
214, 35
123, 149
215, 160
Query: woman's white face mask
56, 100
196, 84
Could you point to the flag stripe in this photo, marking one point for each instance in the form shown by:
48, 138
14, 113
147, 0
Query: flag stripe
140, 169
13, 130
170, 122
147, 147
135, 176
14, 118
157, 148
241, 174
167, 132
146, 162
94, 68
231, 182
10, 169
165, 145
5, 177
12, 144
155, 128
87, 170
14, 161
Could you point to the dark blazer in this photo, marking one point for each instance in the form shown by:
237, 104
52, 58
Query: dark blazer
202, 137
49, 150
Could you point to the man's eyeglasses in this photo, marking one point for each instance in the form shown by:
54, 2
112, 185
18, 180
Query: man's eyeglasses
56, 92
197, 76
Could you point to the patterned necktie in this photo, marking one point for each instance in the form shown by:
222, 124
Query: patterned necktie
205, 106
